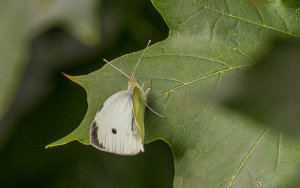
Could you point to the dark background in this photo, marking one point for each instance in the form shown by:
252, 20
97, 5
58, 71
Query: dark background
48, 106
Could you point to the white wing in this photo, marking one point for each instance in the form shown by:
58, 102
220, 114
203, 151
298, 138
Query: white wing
113, 129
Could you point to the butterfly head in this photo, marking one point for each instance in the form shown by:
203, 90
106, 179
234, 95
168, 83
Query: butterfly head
132, 83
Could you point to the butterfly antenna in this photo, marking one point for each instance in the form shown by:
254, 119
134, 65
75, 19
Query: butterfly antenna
140, 58
116, 68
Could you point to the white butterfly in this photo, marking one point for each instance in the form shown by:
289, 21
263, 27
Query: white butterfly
118, 126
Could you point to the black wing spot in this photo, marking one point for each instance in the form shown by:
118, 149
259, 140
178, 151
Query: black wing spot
114, 131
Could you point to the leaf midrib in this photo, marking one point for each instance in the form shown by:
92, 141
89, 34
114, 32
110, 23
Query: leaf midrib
195, 80
228, 14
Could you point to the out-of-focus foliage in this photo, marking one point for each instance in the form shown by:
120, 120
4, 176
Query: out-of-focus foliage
270, 90
20, 22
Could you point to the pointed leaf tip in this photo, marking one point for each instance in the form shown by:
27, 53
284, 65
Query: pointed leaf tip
49, 146
70, 77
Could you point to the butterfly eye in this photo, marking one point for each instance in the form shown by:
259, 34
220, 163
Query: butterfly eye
114, 131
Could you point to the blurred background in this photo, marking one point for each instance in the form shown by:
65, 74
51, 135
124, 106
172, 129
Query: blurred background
38, 105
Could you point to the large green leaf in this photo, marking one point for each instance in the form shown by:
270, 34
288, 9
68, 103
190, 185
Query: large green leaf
208, 41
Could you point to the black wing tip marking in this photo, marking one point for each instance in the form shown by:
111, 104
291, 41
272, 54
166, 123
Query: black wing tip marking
94, 137
100, 108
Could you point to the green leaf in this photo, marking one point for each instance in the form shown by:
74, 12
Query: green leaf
208, 41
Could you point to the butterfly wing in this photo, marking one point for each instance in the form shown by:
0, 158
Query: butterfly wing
138, 105
113, 129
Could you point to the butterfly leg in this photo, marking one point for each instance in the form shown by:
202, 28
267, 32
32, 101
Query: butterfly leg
146, 83
154, 111
147, 91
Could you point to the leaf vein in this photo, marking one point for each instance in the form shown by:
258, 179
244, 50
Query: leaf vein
277, 161
247, 157
197, 79
261, 17
244, 54
190, 56
248, 21
225, 136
